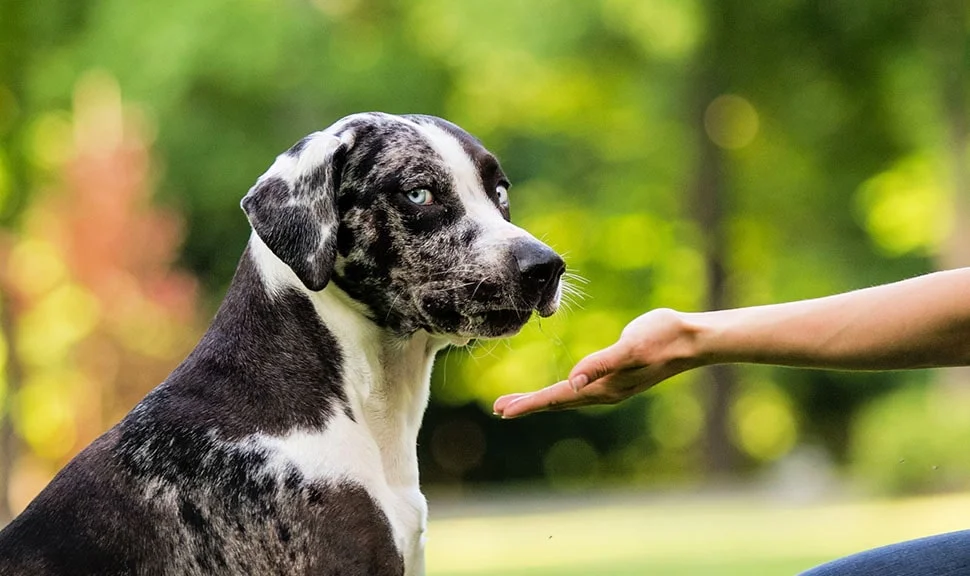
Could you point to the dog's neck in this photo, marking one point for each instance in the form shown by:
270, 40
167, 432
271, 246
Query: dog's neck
386, 377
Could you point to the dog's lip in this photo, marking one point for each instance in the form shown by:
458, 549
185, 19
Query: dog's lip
498, 322
504, 313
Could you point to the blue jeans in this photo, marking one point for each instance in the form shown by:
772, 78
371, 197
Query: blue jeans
942, 555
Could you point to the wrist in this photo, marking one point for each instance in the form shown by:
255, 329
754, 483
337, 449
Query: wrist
701, 336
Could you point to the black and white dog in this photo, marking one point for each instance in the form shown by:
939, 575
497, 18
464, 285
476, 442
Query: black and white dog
286, 442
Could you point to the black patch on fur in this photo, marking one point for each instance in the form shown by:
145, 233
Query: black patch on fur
299, 146
291, 221
167, 492
295, 149
266, 364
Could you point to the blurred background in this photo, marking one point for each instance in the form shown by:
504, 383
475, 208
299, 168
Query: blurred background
693, 154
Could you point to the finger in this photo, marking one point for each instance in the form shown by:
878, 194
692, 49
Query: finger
589, 396
558, 393
502, 401
599, 364
561, 407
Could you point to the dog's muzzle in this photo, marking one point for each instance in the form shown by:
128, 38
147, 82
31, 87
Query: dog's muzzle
496, 301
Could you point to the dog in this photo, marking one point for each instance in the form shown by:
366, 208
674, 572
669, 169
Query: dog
286, 442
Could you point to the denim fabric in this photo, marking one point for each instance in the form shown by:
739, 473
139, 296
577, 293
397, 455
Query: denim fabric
942, 555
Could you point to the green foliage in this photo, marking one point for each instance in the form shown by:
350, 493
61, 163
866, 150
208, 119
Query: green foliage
832, 138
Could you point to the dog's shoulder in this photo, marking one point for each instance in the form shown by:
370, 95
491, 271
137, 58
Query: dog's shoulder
202, 504
245, 504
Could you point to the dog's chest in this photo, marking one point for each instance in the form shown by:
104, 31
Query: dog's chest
300, 503
348, 453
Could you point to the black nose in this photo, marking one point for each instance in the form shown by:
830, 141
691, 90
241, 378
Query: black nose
539, 266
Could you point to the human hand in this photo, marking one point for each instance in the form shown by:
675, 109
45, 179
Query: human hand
652, 348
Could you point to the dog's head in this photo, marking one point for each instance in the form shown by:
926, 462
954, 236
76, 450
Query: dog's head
409, 215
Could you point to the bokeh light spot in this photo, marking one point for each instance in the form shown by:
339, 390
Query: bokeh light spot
37, 266
906, 209
50, 140
731, 121
676, 419
60, 320
764, 423
571, 462
458, 446
46, 418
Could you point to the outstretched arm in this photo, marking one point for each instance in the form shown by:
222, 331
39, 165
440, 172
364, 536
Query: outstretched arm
916, 323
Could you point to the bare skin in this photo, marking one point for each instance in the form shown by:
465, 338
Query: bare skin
918, 323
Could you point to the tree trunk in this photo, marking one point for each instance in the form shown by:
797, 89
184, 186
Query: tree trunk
720, 381
708, 209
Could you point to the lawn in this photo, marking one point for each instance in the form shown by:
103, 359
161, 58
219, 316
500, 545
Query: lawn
724, 536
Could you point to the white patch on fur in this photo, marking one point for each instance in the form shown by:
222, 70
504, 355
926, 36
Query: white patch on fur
496, 231
274, 272
346, 452
284, 167
316, 151
387, 383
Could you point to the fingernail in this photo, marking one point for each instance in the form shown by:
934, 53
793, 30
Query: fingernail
577, 382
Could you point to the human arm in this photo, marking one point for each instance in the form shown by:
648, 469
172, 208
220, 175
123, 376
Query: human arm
916, 323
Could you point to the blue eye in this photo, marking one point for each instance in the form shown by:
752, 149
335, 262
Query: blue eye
420, 196
503, 196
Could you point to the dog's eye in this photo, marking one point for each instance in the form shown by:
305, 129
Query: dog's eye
420, 196
502, 192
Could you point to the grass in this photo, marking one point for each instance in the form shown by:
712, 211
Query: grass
696, 537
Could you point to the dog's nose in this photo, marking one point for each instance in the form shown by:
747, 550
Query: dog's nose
539, 266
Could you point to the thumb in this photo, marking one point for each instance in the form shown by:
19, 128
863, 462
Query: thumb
597, 365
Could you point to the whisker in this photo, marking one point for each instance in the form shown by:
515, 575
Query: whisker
440, 289
487, 352
471, 347
475, 291
573, 275
455, 271
444, 370
391, 307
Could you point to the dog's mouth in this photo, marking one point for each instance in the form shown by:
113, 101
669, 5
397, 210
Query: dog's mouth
499, 323
488, 314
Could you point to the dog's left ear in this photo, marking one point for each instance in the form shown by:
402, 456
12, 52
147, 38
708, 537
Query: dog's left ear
293, 207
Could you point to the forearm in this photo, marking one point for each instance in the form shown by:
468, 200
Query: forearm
915, 323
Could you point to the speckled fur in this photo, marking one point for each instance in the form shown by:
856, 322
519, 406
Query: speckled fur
285, 442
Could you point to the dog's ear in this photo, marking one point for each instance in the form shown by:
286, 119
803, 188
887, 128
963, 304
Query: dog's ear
293, 207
